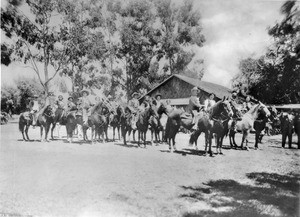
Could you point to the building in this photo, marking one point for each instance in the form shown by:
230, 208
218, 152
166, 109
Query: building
177, 88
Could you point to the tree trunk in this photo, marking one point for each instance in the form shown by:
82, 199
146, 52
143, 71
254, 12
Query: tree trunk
46, 63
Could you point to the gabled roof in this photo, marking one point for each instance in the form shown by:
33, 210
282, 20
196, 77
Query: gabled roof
219, 90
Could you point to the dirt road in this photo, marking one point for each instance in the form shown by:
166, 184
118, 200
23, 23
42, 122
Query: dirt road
60, 179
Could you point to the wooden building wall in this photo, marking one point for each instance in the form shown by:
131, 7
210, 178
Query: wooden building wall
177, 88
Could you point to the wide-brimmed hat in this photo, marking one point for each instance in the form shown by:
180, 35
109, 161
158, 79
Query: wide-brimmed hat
86, 91
135, 94
60, 96
195, 89
70, 97
50, 94
158, 94
35, 96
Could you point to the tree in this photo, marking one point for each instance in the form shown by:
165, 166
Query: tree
180, 28
35, 39
275, 77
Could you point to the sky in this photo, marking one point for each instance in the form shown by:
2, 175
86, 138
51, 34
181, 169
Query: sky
234, 29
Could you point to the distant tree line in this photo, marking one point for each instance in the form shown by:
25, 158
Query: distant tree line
116, 46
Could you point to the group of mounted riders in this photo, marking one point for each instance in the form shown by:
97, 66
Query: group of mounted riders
213, 118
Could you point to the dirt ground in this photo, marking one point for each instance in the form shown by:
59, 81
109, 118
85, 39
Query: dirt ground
60, 179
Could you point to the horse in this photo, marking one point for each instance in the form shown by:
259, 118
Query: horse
24, 122
260, 124
126, 123
44, 120
116, 121
246, 124
59, 119
214, 122
96, 123
143, 122
264, 123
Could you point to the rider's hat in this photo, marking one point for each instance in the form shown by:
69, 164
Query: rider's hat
70, 97
195, 89
85, 90
50, 94
135, 94
158, 94
60, 96
35, 96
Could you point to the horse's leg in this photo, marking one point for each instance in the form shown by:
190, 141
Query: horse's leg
114, 129
118, 128
58, 129
26, 132
124, 137
206, 141
157, 137
209, 145
257, 135
152, 137
174, 145
221, 143
52, 129
139, 135
47, 128
144, 135
41, 131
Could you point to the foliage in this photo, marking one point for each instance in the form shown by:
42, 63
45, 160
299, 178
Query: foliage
108, 45
25, 88
274, 78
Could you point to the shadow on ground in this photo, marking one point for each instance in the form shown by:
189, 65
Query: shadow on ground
271, 195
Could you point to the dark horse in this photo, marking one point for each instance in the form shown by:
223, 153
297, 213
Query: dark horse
127, 118
143, 122
44, 120
59, 119
98, 121
215, 122
116, 121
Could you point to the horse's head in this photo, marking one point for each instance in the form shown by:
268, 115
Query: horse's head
263, 110
49, 111
221, 109
151, 111
162, 109
120, 110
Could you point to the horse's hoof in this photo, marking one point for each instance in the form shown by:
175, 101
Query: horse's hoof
221, 153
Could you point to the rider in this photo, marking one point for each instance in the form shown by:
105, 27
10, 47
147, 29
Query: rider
247, 104
34, 108
85, 105
208, 103
158, 100
194, 105
133, 106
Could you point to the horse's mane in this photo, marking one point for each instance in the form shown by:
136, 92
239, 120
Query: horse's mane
214, 109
